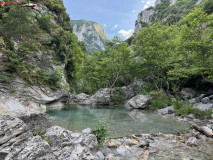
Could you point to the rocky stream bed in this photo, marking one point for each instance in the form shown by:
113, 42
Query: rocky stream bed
18, 141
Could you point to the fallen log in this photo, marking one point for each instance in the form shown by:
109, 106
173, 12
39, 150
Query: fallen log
204, 130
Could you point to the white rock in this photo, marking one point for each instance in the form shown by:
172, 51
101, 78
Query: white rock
87, 131
100, 155
187, 93
165, 110
203, 107
139, 101
192, 142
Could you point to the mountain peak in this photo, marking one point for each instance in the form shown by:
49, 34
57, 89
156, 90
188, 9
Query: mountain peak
91, 33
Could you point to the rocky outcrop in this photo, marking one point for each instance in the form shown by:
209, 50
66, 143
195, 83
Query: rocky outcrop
172, 2
187, 93
91, 33
26, 97
203, 102
67, 145
35, 121
18, 142
139, 101
143, 17
150, 15
105, 96
157, 2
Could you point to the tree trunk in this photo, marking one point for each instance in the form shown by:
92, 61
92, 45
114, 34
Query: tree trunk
206, 131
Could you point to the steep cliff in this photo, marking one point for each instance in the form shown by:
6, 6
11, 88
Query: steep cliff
39, 56
91, 33
169, 11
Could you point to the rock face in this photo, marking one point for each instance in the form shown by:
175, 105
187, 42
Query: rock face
35, 121
67, 145
27, 97
18, 92
139, 101
18, 142
91, 33
150, 15
143, 17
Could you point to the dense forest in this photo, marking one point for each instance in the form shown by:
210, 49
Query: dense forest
166, 54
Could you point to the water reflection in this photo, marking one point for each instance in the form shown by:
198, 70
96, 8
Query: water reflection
120, 120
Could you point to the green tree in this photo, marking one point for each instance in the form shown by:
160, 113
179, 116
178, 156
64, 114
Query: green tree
105, 68
208, 6
156, 45
195, 46
17, 22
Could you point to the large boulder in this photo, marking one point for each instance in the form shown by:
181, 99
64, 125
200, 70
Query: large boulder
67, 145
203, 107
166, 110
17, 142
139, 101
206, 100
80, 98
187, 93
102, 96
35, 121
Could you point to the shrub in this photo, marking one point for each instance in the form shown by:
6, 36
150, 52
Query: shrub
118, 96
185, 110
30, 48
100, 132
208, 6
159, 100
45, 22
38, 133
7, 78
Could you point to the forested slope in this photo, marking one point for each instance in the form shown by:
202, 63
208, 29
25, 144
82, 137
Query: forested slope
166, 55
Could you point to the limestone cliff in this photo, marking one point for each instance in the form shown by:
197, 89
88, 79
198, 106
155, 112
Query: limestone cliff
91, 33
36, 53
170, 11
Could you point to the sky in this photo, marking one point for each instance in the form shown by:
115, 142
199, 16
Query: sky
116, 16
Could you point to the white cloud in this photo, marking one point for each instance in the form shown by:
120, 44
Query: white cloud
145, 7
105, 25
133, 11
116, 26
125, 33
148, 2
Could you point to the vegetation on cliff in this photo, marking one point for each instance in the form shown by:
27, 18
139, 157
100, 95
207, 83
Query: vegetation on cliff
36, 43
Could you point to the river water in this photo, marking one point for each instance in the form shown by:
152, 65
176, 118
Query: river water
120, 120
